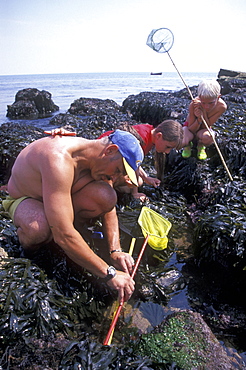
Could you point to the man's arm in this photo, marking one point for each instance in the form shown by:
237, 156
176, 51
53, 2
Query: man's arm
57, 181
120, 260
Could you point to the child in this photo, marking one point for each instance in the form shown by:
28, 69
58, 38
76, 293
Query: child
209, 105
166, 136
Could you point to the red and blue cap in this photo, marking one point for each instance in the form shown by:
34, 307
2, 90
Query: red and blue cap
131, 151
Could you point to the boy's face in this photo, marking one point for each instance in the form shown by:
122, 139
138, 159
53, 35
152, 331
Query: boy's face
208, 103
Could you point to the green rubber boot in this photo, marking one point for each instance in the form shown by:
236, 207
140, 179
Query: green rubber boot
186, 153
201, 153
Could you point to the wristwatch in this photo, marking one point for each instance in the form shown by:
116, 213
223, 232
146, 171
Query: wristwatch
111, 272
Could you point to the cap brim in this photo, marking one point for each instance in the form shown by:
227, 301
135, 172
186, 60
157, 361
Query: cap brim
130, 172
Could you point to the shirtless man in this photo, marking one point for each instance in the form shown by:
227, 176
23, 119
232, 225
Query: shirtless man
58, 182
209, 105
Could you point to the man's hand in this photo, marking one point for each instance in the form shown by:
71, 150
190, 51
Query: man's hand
122, 261
124, 284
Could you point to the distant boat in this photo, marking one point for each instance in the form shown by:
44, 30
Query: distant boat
156, 73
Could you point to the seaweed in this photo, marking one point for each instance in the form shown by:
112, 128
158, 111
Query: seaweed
32, 305
220, 233
89, 355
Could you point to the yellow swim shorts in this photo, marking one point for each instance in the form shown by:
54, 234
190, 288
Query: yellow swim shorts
10, 204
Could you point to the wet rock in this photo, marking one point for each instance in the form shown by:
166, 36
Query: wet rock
153, 108
31, 104
65, 119
185, 339
170, 278
38, 354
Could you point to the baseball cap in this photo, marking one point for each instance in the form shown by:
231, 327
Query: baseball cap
131, 151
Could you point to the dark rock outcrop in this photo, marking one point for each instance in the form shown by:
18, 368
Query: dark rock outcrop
95, 116
227, 73
31, 104
89, 106
235, 88
154, 107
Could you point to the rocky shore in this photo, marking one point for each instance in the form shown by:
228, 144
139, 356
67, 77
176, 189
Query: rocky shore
196, 287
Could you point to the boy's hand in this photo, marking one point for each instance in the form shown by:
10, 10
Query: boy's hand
153, 181
197, 108
198, 112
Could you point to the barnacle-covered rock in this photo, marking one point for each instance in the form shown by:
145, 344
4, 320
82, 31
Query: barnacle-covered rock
153, 107
89, 106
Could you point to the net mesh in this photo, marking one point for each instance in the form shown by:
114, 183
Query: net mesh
160, 40
156, 226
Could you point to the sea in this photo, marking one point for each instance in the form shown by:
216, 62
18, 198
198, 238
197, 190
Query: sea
67, 87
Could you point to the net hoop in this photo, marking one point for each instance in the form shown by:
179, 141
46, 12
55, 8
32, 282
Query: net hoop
155, 226
160, 40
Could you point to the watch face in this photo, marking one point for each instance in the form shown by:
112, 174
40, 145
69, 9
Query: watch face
111, 271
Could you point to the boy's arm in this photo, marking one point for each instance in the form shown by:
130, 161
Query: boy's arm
194, 117
219, 110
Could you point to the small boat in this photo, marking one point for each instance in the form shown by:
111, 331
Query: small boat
156, 73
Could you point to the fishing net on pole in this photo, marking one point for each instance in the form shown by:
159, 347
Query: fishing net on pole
160, 40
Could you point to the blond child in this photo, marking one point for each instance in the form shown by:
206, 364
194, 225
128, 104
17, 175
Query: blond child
209, 106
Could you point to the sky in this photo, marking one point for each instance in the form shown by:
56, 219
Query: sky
80, 36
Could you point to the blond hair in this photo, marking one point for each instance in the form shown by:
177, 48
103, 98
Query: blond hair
208, 89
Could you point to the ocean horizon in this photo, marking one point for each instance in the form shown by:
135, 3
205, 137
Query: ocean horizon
65, 88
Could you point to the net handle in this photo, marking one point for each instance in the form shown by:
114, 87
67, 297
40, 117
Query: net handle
109, 335
187, 87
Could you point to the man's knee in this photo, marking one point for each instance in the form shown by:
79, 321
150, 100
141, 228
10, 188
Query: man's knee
94, 199
108, 198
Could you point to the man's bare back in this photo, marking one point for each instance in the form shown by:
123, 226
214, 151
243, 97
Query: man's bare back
59, 153
63, 178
